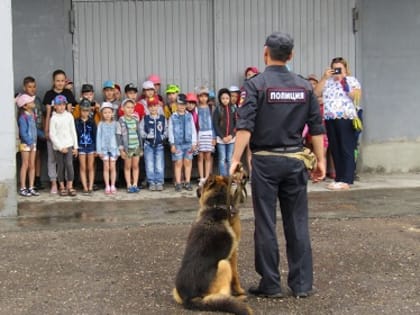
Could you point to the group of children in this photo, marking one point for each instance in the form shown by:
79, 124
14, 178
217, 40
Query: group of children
140, 124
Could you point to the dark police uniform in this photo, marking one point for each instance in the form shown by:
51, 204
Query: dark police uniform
276, 108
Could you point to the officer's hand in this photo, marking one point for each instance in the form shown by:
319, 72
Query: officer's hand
318, 174
233, 167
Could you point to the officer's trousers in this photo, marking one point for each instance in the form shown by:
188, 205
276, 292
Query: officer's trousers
285, 179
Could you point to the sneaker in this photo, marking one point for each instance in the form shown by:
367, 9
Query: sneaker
33, 191
188, 186
159, 187
113, 189
135, 189
107, 190
130, 189
24, 192
178, 187
152, 187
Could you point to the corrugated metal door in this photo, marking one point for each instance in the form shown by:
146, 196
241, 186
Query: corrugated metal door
194, 42
126, 41
322, 30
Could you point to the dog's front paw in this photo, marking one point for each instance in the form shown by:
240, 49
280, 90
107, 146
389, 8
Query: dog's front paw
238, 292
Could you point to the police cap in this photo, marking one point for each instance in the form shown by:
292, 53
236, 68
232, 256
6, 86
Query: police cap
280, 41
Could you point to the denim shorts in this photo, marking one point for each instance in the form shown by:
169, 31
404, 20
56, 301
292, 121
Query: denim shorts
86, 150
183, 151
109, 156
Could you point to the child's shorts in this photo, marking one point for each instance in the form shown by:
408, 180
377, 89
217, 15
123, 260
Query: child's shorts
183, 152
134, 152
86, 150
23, 147
109, 156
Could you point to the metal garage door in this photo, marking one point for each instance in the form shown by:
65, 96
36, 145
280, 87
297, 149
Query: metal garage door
191, 42
322, 30
126, 41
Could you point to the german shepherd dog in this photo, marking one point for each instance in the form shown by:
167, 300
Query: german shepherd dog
208, 277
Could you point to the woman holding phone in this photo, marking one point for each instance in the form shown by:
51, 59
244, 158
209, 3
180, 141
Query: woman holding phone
341, 92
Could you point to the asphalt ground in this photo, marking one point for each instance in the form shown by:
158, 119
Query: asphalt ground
120, 254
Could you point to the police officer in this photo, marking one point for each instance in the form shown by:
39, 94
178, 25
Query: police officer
277, 105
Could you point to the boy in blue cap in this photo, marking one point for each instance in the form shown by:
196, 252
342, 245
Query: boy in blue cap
108, 89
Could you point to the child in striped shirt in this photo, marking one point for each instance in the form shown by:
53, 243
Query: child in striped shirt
130, 145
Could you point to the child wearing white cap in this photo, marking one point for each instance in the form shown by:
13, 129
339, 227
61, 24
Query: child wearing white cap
149, 91
206, 135
107, 146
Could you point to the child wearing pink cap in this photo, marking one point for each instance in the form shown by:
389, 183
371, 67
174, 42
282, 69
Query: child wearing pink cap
157, 83
27, 148
251, 71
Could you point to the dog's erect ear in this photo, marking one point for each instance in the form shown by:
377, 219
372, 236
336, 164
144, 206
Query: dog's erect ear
239, 194
199, 191
240, 174
239, 178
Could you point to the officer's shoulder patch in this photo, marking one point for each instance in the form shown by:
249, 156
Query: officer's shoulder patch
286, 95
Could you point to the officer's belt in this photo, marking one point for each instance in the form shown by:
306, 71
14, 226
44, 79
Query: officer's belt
305, 155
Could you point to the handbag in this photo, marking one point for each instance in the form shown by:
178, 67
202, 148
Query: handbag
357, 122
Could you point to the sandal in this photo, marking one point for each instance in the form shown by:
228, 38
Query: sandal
338, 186
63, 192
72, 192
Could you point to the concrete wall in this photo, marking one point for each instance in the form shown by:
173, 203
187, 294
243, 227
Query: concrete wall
42, 41
390, 70
8, 204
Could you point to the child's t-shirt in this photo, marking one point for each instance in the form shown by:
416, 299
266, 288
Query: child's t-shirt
51, 94
133, 140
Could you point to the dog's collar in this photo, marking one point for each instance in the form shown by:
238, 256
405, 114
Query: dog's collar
231, 210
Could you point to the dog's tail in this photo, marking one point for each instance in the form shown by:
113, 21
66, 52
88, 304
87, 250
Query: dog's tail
219, 303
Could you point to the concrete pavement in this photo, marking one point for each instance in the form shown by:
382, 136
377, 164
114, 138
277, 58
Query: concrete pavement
367, 182
120, 254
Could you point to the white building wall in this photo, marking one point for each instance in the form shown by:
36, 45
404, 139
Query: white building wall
8, 203
390, 46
